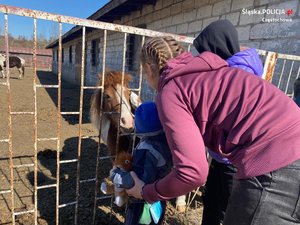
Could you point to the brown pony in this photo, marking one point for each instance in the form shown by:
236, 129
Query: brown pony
112, 105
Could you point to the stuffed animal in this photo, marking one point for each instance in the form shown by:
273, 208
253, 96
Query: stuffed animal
119, 177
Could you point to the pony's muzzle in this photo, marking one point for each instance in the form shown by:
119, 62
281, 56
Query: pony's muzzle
126, 123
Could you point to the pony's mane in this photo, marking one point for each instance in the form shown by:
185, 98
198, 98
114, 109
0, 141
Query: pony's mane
111, 78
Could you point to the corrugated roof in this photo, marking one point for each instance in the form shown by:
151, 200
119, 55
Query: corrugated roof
113, 10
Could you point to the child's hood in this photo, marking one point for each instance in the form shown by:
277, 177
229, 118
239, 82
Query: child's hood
248, 60
186, 63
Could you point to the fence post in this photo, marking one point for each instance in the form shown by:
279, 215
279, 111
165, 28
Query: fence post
269, 66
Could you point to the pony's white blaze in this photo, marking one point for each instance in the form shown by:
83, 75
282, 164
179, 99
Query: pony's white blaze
126, 116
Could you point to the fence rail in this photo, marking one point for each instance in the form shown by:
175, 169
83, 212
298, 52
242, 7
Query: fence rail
273, 72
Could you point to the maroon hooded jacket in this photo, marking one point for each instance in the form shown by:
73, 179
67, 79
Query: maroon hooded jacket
203, 102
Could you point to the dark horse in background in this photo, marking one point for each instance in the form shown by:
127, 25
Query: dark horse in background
14, 61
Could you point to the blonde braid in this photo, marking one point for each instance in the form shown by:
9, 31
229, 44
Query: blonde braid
159, 50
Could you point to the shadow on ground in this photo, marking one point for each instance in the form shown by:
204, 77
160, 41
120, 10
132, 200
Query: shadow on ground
70, 97
67, 185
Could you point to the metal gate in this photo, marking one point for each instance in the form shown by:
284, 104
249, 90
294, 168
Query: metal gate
281, 70
271, 64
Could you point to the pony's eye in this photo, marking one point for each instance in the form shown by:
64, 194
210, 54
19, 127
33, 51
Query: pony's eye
127, 161
106, 96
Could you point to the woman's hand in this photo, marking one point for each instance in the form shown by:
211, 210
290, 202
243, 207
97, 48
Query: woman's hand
136, 190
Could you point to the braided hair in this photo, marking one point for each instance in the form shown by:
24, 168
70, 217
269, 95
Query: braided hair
159, 50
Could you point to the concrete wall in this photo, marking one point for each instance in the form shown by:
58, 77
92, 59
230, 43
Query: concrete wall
189, 17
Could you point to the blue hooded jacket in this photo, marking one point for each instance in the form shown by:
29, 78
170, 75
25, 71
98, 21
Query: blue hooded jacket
248, 60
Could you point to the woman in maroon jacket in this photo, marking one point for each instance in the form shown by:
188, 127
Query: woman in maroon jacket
203, 102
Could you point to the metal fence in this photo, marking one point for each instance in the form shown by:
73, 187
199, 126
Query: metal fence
274, 70
281, 70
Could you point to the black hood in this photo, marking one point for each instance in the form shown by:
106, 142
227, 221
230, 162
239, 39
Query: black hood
219, 37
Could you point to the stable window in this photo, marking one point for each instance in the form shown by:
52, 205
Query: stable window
95, 52
70, 54
133, 48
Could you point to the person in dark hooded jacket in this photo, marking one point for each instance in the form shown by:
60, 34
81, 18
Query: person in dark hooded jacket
297, 91
221, 38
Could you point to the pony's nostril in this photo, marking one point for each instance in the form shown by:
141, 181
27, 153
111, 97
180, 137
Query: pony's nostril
123, 121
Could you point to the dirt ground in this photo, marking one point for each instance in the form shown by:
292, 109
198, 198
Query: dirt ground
23, 154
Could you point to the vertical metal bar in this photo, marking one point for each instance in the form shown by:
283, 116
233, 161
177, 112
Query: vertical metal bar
141, 71
121, 94
189, 47
9, 121
139, 89
288, 81
80, 124
58, 121
35, 123
298, 72
124, 56
269, 66
280, 78
121, 98
191, 198
100, 122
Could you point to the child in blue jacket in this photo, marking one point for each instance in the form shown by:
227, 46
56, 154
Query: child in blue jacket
151, 161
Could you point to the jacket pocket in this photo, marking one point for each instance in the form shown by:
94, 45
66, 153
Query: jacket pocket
264, 181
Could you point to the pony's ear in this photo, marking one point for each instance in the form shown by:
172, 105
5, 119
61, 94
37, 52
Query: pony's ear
127, 77
99, 79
